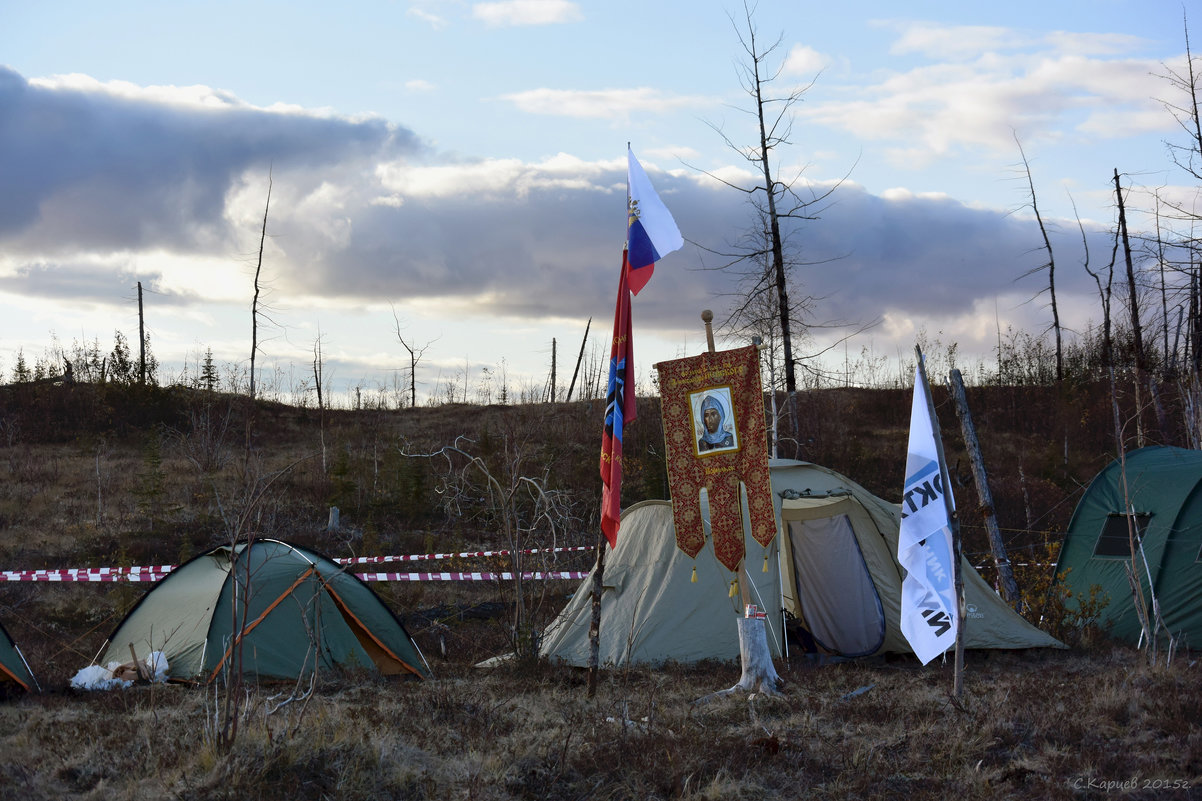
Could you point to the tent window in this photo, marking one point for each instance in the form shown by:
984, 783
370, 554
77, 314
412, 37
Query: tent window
1115, 540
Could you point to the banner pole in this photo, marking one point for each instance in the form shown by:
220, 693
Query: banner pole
953, 524
707, 317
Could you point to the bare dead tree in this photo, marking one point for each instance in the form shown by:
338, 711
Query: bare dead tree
318, 381
1159, 247
254, 304
1141, 364
775, 200
1104, 289
415, 356
522, 509
241, 518
1049, 265
579, 358
1188, 156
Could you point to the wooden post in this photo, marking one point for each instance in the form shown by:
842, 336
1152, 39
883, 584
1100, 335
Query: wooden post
1000, 559
142, 672
141, 339
707, 317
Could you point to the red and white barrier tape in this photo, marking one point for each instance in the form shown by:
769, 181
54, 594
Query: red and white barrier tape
361, 560
141, 574
153, 573
549, 576
157, 572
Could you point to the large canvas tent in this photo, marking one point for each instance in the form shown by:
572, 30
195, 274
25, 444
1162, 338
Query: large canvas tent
833, 569
651, 609
1162, 487
13, 668
285, 610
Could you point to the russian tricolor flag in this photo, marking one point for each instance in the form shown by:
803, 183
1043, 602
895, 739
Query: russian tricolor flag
651, 233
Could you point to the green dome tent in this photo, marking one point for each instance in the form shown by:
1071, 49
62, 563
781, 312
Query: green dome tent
833, 568
285, 609
1163, 490
13, 668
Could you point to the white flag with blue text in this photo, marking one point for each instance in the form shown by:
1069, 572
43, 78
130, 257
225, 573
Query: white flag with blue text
924, 545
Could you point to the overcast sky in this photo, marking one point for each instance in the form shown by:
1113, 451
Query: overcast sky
462, 166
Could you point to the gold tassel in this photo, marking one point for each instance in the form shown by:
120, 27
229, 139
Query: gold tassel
765, 563
694, 578
734, 588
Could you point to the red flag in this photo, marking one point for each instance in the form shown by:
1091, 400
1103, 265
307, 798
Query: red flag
619, 409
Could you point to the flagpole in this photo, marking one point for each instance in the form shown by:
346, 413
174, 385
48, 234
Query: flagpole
650, 234
594, 628
953, 524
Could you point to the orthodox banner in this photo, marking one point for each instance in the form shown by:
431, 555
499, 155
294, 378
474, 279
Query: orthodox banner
713, 414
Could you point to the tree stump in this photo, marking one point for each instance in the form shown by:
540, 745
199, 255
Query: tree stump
759, 674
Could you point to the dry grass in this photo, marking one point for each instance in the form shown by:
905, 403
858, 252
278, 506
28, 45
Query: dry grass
1041, 725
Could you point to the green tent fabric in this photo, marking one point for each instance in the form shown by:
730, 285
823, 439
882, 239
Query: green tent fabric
286, 610
13, 669
1163, 488
833, 568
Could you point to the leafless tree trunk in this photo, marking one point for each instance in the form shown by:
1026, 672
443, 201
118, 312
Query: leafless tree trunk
579, 358
318, 375
1142, 375
1105, 291
254, 305
1187, 157
1141, 364
1049, 265
415, 357
141, 340
1195, 317
774, 199
1170, 359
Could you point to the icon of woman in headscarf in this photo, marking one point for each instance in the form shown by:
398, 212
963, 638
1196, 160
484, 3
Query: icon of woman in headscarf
713, 418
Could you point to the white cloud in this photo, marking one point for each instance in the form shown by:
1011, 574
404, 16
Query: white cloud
953, 41
194, 96
941, 107
197, 96
433, 20
419, 85
804, 60
527, 12
1093, 44
613, 104
494, 177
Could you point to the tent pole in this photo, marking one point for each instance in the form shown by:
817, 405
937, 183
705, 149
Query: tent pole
780, 583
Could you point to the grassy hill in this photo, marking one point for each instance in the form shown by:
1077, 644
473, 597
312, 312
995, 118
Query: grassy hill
118, 475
